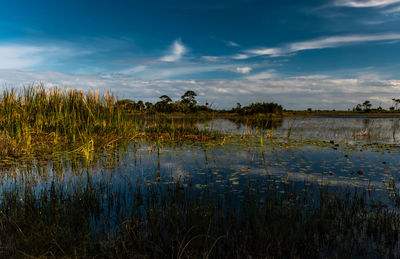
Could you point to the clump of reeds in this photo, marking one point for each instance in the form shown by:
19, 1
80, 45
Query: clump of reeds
38, 117
68, 114
8, 147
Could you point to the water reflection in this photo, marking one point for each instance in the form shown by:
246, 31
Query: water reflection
339, 129
231, 168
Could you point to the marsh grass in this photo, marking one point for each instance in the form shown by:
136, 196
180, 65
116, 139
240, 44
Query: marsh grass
8, 147
36, 120
157, 221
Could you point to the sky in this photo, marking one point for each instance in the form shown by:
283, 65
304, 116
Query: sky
330, 54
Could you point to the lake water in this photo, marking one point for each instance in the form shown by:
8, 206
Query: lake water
339, 152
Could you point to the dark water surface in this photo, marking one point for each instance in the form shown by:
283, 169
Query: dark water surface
338, 152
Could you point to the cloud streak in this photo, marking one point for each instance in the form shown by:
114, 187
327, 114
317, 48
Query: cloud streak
20, 56
243, 70
320, 43
25, 56
392, 10
339, 41
365, 3
177, 51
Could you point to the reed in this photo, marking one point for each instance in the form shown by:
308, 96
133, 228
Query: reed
75, 120
93, 219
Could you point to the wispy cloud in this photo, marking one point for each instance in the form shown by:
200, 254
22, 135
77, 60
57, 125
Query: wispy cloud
25, 56
20, 56
392, 10
261, 76
243, 70
266, 51
365, 3
211, 58
132, 70
162, 72
176, 52
338, 41
320, 43
232, 44
241, 56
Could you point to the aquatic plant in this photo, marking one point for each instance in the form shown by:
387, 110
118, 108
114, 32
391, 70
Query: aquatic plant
94, 220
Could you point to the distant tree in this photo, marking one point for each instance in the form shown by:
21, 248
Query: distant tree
256, 108
140, 105
189, 101
358, 108
189, 98
238, 108
164, 105
165, 99
367, 105
149, 106
396, 103
126, 104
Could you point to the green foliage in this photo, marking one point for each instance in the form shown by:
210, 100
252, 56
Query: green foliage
257, 108
189, 98
35, 118
188, 104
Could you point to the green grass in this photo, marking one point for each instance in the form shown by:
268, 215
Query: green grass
35, 120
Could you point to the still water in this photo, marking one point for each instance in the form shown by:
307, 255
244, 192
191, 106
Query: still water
338, 152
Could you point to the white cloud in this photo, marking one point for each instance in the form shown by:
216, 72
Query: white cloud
177, 51
136, 69
338, 41
365, 3
261, 76
321, 43
211, 58
266, 51
241, 56
317, 91
20, 56
232, 44
243, 70
171, 72
392, 10
24, 56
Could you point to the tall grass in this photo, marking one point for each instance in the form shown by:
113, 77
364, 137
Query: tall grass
96, 220
68, 114
34, 117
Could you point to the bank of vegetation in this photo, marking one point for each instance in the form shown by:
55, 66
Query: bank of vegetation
35, 118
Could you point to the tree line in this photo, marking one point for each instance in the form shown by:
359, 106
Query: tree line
189, 104
366, 106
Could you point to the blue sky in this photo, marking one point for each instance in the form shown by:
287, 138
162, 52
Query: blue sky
328, 54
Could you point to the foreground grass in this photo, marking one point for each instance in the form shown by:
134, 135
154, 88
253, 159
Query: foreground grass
92, 220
